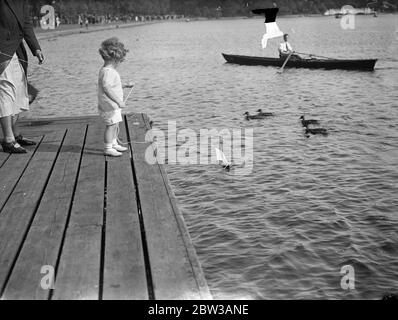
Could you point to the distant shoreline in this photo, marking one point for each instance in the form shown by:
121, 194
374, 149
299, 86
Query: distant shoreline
67, 30
257, 17
251, 17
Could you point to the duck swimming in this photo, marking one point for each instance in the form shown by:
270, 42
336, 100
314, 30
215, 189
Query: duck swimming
306, 123
264, 114
256, 117
316, 131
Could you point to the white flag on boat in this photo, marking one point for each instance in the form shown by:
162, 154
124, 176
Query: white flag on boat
271, 28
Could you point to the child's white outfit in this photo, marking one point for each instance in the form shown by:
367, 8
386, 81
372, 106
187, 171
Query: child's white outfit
108, 109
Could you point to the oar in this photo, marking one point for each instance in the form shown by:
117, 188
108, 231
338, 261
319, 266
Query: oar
314, 55
284, 65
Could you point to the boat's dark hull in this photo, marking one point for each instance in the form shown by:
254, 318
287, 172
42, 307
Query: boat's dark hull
329, 64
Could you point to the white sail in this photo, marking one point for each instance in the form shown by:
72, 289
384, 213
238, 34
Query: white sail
222, 159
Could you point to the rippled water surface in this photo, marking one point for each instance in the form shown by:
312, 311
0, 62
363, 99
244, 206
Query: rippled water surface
310, 206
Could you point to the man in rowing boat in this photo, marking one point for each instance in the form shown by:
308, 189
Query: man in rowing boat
285, 49
15, 26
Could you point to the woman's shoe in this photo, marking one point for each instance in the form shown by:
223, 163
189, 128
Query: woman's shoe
13, 148
25, 142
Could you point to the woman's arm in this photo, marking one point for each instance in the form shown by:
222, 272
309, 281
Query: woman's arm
29, 34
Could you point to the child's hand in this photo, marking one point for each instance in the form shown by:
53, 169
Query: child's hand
129, 84
122, 105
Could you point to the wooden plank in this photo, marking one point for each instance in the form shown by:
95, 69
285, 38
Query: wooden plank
3, 158
172, 273
11, 171
87, 250
193, 258
26, 125
35, 132
32, 128
78, 275
44, 239
60, 120
16, 216
124, 273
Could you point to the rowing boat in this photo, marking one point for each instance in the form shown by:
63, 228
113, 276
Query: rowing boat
329, 64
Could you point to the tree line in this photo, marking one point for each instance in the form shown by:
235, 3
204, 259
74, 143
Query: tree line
201, 8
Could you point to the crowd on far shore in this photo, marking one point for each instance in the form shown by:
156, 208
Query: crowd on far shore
93, 19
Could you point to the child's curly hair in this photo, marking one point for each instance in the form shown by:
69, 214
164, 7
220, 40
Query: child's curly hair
113, 49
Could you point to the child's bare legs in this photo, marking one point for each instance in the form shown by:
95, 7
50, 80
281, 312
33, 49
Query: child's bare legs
110, 134
115, 135
109, 137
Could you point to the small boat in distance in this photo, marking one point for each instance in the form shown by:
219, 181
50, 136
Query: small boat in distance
328, 64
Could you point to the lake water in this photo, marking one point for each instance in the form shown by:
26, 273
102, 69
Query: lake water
310, 206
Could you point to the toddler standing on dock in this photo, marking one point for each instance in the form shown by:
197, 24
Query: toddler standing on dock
110, 94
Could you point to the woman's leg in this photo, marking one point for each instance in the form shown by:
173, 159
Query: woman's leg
20, 139
6, 126
9, 145
15, 128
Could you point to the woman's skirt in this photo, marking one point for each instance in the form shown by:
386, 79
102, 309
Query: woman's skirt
14, 97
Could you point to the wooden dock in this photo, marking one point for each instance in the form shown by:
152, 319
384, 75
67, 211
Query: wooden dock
110, 229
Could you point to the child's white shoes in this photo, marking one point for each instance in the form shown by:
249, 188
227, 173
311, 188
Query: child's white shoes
119, 148
111, 152
114, 149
